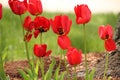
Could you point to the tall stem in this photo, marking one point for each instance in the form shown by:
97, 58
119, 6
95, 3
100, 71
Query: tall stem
41, 38
106, 67
85, 51
75, 77
27, 52
2, 72
26, 44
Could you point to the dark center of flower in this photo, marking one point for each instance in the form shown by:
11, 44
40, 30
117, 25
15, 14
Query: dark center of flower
41, 30
107, 36
60, 30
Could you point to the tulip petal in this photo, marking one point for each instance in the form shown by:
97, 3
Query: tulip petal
64, 42
110, 45
0, 10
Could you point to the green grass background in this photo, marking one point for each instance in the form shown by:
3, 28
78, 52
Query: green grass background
13, 45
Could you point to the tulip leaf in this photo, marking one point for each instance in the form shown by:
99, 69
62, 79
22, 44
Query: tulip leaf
91, 76
49, 72
56, 73
24, 75
62, 76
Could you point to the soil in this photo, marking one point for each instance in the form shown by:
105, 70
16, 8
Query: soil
93, 59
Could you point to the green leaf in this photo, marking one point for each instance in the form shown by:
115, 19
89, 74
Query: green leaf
62, 76
24, 75
2, 72
49, 72
56, 73
91, 76
37, 67
109, 78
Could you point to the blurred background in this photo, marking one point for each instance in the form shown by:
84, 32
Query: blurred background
103, 12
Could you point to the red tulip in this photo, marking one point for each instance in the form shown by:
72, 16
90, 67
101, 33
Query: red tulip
28, 24
74, 56
83, 14
35, 7
42, 24
110, 45
61, 25
0, 10
40, 50
64, 42
106, 34
18, 7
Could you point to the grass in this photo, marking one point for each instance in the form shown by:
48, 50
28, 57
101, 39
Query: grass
13, 38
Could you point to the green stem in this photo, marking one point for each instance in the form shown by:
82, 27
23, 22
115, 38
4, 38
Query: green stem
41, 60
75, 77
41, 38
26, 44
85, 51
106, 67
27, 52
2, 72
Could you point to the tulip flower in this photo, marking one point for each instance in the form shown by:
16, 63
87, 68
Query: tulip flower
40, 50
61, 25
18, 7
74, 56
28, 25
42, 24
64, 42
0, 10
35, 7
106, 34
83, 14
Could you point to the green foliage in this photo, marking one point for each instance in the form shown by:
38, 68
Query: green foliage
91, 75
28, 74
13, 34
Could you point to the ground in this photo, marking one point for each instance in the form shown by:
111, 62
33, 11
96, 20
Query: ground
94, 60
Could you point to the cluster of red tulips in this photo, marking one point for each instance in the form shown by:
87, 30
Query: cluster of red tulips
60, 25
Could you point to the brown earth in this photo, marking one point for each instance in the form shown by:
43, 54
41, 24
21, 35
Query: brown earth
93, 60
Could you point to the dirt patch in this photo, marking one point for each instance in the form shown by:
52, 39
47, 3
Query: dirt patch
11, 68
113, 67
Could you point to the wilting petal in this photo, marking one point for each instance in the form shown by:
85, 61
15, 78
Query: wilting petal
36, 33
110, 45
0, 10
64, 42
28, 37
48, 53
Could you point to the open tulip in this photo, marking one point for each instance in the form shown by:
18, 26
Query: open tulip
83, 14
18, 7
106, 34
42, 24
35, 7
74, 56
40, 50
0, 10
61, 25
64, 42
